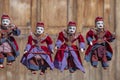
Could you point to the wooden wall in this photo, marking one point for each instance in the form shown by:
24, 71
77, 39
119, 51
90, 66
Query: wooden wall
55, 14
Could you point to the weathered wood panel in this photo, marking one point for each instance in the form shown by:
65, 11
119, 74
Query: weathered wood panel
117, 47
80, 15
90, 12
20, 11
55, 14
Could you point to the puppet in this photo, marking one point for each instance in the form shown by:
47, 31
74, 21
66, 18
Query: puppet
99, 48
8, 45
38, 51
67, 56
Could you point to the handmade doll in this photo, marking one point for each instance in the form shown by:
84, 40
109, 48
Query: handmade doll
38, 51
8, 45
68, 45
99, 49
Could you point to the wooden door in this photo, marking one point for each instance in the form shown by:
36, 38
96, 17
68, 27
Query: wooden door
56, 14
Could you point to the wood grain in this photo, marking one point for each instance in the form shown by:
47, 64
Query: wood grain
55, 14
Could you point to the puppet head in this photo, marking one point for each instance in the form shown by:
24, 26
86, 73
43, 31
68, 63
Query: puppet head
99, 22
39, 27
71, 28
5, 20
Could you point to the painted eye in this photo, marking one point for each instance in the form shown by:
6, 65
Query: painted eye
7, 21
3, 21
98, 23
73, 28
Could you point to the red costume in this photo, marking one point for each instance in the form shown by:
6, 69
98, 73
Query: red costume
67, 56
99, 48
38, 51
8, 45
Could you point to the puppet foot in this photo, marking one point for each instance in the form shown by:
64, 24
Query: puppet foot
83, 71
33, 72
66, 68
42, 72
71, 70
95, 66
1, 66
105, 68
9, 63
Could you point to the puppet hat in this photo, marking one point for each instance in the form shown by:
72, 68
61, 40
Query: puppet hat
40, 24
71, 23
98, 19
5, 17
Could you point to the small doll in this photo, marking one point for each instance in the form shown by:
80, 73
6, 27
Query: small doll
38, 51
98, 40
67, 56
8, 45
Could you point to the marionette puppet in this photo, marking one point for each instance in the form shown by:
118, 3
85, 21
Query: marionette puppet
68, 45
8, 45
38, 51
99, 49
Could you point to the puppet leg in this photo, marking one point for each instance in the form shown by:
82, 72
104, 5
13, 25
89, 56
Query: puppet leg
71, 64
43, 67
104, 61
102, 56
33, 65
94, 59
10, 58
41, 63
1, 60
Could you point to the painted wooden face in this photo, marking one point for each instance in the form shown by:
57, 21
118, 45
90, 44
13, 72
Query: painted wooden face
5, 22
100, 24
39, 30
71, 29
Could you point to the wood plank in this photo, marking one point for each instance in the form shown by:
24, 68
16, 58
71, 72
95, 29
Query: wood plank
100, 8
54, 13
34, 13
80, 15
112, 15
100, 12
1, 7
4, 10
6, 6
107, 14
20, 12
70, 10
105, 73
112, 67
90, 12
117, 48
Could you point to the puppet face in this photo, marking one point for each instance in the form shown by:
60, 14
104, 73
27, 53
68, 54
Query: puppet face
5, 22
71, 29
39, 30
100, 24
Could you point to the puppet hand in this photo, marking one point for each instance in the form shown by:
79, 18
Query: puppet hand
114, 35
56, 47
13, 26
25, 52
105, 39
82, 50
52, 51
91, 43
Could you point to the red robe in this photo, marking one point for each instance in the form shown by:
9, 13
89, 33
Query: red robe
63, 43
45, 43
94, 37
